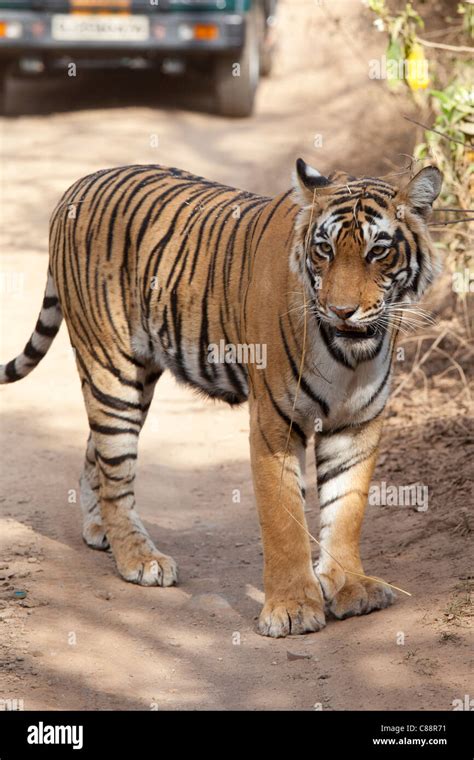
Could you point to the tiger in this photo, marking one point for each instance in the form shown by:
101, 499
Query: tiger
151, 266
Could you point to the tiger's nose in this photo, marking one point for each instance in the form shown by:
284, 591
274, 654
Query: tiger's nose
343, 312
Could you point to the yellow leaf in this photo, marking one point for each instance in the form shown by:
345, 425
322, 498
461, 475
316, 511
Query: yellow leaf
417, 69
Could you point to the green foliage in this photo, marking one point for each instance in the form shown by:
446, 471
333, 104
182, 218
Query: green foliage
455, 115
450, 145
450, 149
402, 46
466, 10
400, 27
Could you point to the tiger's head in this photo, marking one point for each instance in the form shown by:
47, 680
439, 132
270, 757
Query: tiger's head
364, 250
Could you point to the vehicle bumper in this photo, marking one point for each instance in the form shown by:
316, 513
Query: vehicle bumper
30, 33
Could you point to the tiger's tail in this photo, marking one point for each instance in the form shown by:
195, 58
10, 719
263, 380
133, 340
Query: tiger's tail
45, 331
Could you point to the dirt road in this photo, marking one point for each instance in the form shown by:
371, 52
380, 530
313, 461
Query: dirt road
83, 639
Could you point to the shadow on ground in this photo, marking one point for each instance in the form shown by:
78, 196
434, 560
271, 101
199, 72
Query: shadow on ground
134, 648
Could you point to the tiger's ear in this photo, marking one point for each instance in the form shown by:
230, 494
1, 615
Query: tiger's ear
421, 192
307, 181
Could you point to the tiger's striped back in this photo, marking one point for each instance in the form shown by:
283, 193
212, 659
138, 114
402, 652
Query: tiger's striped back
169, 255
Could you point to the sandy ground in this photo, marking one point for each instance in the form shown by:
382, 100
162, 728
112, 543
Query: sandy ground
84, 639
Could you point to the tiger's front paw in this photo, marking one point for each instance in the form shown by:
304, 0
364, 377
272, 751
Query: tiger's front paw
348, 595
301, 612
146, 566
361, 598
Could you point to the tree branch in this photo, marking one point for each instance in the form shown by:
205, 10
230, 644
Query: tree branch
430, 129
443, 46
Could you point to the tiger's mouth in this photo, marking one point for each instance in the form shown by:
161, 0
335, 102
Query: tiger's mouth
355, 333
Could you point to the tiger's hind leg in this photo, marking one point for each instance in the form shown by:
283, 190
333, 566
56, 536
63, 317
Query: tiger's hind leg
93, 531
116, 418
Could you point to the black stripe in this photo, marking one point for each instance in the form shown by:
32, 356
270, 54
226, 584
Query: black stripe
112, 401
333, 349
49, 302
371, 214
230, 247
178, 363
153, 377
342, 496
350, 427
340, 469
339, 212
164, 332
208, 370
294, 425
118, 496
131, 359
272, 213
115, 416
419, 260
107, 430
105, 398
296, 374
231, 370
95, 201
373, 183
202, 220
11, 373
343, 199
377, 198
224, 227
117, 478
116, 461
379, 389
158, 250
46, 330
32, 353
247, 260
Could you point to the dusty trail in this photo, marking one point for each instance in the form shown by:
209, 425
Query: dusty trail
84, 639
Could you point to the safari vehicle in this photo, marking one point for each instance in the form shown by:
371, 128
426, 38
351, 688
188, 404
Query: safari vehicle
42, 35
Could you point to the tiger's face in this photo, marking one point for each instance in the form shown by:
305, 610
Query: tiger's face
364, 251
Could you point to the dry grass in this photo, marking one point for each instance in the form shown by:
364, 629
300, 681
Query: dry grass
459, 611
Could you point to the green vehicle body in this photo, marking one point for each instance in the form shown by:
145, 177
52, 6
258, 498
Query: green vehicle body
41, 35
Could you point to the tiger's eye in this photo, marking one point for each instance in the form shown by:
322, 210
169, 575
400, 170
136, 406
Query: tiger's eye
378, 250
325, 248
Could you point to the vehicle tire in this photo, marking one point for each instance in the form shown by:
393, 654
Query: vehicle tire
235, 94
266, 62
3, 86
